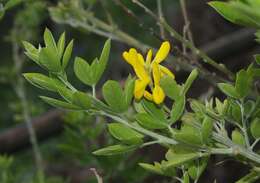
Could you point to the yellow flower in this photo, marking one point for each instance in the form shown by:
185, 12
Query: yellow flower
149, 72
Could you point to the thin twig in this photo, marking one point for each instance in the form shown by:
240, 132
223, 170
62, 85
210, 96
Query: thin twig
160, 14
21, 93
186, 20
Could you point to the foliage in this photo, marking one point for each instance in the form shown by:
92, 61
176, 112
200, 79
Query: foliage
200, 134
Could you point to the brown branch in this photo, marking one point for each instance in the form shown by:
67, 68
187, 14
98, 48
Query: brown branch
17, 138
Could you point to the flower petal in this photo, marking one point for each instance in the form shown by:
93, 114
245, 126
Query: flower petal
158, 94
140, 58
156, 73
166, 71
139, 88
162, 52
126, 57
149, 55
141, 72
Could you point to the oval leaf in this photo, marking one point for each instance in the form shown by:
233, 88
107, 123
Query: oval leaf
124, 133
149, 122
114, 150
114, 96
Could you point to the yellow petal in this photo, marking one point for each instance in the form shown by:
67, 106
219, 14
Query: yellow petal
162, 52
156, 73
148, 95
166, 71
158, 94
133, 56
140, 58
149, 55
141, 72
127, 58
139, 88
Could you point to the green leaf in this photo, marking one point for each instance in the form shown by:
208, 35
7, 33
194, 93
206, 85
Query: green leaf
152, 168
114, 96
197, 107
49, 59
31, 51
228, 89
149, 122
42, 81
197, 168
257, 58
83, 71
188, 134
180, 159
255, 128
61, 45
237, 137
50, 41
103, 59
170, 87
67, 54
177, 109
221, 108
82, 100
193, 75
129, 90
124, 133
243, 83
65, 93
234, 13
236, 112
153, 110
206, 129
59, 103
114, 150
186, 178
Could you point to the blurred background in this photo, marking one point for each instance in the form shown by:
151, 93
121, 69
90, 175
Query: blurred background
66, 139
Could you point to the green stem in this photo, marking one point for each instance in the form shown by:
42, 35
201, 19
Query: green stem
138, 128
94, 91
237, 149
